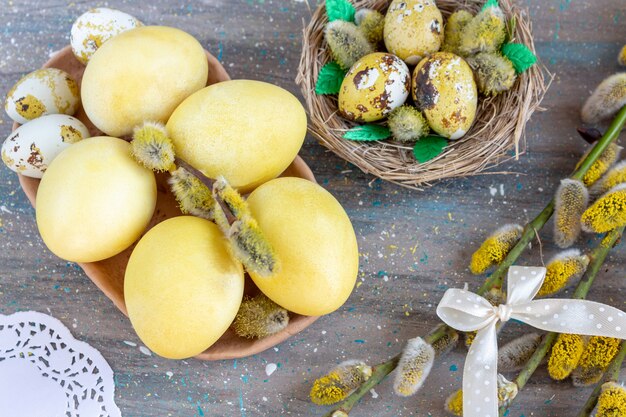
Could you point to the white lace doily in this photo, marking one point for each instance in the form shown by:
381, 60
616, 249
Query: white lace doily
45, 372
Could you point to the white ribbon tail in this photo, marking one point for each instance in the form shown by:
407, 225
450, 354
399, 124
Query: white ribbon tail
573, 316
480, 374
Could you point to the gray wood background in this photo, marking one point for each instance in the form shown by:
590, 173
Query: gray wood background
413, 245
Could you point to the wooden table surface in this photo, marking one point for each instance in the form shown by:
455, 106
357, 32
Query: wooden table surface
413, 245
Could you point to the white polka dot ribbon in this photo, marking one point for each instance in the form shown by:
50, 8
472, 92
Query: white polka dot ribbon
468, 312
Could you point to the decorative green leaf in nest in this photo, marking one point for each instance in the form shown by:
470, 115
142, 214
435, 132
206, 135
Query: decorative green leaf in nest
521, 57
429, 147
367, 133
329, 79
491, 3
340, 10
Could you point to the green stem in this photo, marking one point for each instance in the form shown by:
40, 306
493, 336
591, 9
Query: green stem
611, 375
598, 257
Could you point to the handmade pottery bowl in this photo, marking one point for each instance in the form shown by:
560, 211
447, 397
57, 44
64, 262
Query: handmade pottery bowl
108, 274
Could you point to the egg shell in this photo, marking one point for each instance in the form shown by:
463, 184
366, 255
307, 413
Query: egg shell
45, 91
445, 90
95, 27
31, 148
413, 29
374, 86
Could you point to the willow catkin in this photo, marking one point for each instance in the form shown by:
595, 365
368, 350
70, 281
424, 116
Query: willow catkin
414, 366
484, 33
346, 42
565, 355
340, 382
606, 100
514, 355
571, 200
613, 178
607, 213
563, 269
495, 248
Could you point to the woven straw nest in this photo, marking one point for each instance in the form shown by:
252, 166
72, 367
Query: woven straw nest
499, 125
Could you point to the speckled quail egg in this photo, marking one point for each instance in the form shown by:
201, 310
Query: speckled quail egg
374, 86
31, 147
444, 89
95, 27
413, 29
44, 91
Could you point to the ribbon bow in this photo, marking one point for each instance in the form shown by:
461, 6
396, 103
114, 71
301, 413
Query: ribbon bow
468, 312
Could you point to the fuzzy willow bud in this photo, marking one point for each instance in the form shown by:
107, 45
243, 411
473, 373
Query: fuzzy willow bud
152, 148
494, 73
607, 213
407, 124
571, 200
260, 317
604, 162
562, 270
495, 248
515, 355
565, 355
414, 366
606, 100
597, 356
192, 195
484, 33
613, 178
507, 391
454, 29
340, 382
371, 23
346, 42
612, 400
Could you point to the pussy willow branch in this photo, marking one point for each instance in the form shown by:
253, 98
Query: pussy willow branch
611, 375
380, 371
209, 183
598, 257
495, 280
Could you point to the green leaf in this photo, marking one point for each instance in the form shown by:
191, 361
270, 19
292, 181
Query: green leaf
490, 3
329, 79
367, 133
429, 147
521, 57
340, 10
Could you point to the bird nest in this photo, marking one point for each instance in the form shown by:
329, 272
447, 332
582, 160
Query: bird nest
498, 128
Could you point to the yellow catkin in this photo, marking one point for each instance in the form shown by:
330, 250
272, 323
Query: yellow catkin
248, 243
454, 28
571, 200
565, 355
565, 268
454, 403
612, 401
495, 248
596, 357
340, 382
346, 42
507, 391
514, 355
606, 100
484, 33
371, 23
152, 148
192, 195
616, 176
607, 213
259, 317
604, 162
446, 343
414, 366
469, 338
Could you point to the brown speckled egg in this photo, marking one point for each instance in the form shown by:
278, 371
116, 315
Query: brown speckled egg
413, 29
375, 85
444, 89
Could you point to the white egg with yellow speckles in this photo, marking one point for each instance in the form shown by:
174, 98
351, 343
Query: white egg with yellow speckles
44, 91
95, 27
374, 86
444, 89
32, 147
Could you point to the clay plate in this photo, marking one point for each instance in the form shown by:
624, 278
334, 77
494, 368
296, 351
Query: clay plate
108, 274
